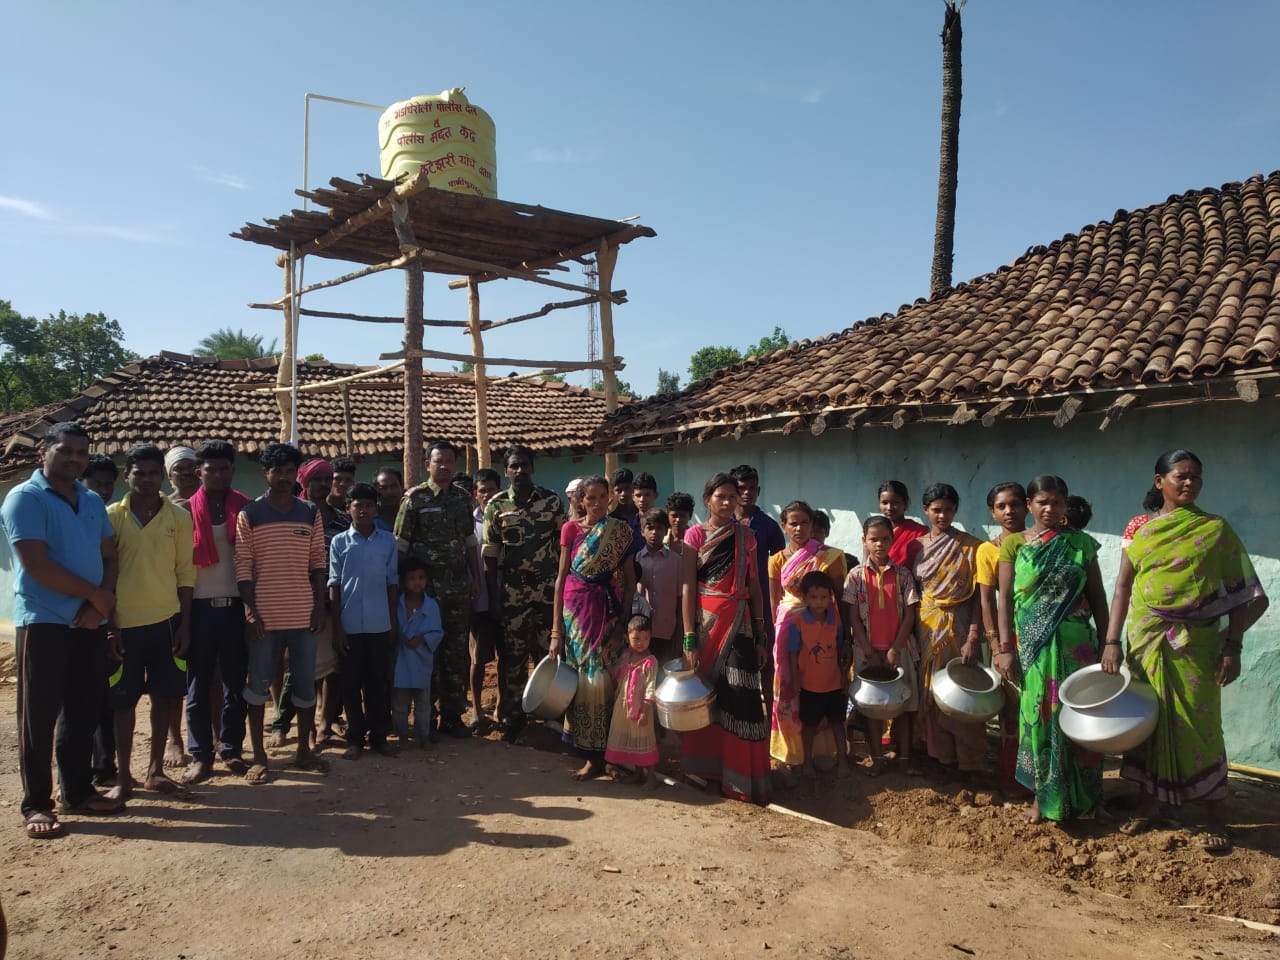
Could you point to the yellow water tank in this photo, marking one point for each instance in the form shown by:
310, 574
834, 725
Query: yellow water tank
445, 136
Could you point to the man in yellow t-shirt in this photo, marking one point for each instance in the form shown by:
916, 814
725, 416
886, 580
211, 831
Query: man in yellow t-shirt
149, 628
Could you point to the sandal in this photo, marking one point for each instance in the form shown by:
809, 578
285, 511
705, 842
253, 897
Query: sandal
312, 764
1214, 841
1135, 825
878, 766
96, 805
256, 774
42, 826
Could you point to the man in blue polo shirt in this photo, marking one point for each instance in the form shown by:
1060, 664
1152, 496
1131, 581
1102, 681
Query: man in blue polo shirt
65, 589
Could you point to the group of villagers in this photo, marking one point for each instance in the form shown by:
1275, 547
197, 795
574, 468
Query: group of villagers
1030, 600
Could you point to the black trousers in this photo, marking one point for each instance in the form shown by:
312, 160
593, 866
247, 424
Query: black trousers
61, 673
366, 670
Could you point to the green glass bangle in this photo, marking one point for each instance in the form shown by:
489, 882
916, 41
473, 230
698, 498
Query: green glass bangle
691, 641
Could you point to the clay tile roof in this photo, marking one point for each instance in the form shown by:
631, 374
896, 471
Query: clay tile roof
172, 399
1175, 292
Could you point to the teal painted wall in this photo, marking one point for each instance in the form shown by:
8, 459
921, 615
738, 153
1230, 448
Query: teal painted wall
840, 470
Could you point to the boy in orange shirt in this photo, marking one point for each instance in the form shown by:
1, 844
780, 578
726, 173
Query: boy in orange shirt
820, 660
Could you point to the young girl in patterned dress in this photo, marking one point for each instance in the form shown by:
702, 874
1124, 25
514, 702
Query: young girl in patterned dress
632, 742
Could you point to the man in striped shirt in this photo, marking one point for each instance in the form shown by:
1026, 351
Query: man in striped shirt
281, 568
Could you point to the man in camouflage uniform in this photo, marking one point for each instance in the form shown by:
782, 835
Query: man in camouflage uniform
435, 525
522, 543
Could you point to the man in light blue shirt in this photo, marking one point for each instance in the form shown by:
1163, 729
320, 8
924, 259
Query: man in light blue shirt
362, 589
65, 589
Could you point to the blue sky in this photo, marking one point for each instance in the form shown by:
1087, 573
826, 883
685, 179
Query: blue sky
786, 154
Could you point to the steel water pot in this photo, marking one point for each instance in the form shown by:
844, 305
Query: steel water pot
880, 693
1107, 712
682, 701
550, 689
968, 693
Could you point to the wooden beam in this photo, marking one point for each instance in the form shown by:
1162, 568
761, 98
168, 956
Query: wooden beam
995, 413
792, 425
619, 295
708, 433
560, 366
857, 418
1247, 389
1067, 411
1117, 409
401, 224
395, 264
346, 420
963, 414
468, 266
360, 317
741, 430
904, 415
819, 425
325, 386
412, 374
376, 211
483, 455
284, 372
606, 258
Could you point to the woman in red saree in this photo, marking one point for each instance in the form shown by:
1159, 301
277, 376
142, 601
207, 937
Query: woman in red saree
722, 597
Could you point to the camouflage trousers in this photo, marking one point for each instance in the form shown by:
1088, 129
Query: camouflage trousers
452, 668
526, 635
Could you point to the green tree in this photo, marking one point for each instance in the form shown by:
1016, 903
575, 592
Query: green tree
624, 388
710, 359
315, 358
228, 344
55, 358
668, 382
775, 341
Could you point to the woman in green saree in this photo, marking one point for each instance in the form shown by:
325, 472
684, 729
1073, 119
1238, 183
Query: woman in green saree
1184, 571
1051, 600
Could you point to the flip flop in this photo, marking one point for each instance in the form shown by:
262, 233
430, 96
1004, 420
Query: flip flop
1215, 841
256, 774
42, 826
96, 805
237, 766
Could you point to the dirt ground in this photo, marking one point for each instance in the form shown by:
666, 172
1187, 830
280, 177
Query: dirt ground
477, 849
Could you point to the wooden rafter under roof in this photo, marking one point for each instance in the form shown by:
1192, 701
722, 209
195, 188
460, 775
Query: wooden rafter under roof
358, 227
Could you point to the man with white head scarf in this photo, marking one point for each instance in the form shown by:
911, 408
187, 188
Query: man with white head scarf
180, 468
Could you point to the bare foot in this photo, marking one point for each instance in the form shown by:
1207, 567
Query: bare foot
588, 771
174, 757
162, 784
123, 790
1032, 813
198, 772
324, 735
277, 740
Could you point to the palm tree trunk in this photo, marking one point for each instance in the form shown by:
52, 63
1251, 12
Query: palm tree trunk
948, 154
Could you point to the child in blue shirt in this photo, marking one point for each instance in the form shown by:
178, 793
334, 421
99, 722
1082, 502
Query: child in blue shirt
419, 633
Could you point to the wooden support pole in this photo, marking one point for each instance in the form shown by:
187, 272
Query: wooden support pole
327, 386
856, 418
560, 366
359, 317
620, 296
819, 425
995, 413
412, 374
707, 433
483, 455
1117, 409
606, 259
346, 420
284, 373
1067, 411
963, 414
902, 416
